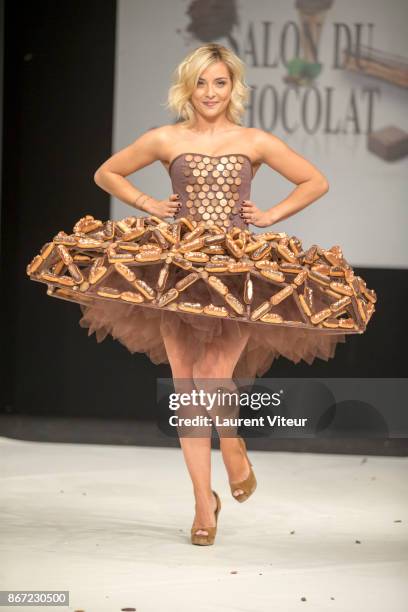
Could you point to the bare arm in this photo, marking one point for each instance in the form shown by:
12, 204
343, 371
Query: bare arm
311, 184
110, 176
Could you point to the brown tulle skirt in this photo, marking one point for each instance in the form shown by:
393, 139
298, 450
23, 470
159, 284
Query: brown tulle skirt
141, 329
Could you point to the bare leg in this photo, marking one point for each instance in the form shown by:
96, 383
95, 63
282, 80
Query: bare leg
196, 450
219, 362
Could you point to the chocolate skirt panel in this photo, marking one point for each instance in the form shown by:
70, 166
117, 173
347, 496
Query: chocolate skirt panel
143, 279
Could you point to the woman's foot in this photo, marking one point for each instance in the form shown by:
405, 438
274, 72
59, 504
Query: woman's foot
205, 507
235, 461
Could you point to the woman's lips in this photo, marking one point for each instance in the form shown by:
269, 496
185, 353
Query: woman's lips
210, 104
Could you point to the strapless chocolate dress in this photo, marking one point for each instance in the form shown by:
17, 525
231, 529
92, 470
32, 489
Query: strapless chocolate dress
206, 276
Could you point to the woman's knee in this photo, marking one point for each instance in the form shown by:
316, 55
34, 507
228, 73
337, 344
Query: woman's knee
203, 372
180, 370
211, 367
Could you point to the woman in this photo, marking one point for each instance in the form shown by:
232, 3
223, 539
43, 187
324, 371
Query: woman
210, 125
209, 95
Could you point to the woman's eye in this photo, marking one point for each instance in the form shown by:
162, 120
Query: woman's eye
218, 83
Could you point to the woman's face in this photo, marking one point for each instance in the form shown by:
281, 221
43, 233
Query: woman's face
213, 91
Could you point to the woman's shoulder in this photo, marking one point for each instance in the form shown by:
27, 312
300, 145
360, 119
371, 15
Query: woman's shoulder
263, 141
160, 132
166, 133
259, 136
256, 136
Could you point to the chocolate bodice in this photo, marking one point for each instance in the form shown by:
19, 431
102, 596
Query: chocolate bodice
212, 187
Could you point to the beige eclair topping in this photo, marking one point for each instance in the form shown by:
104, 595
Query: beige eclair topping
167, 297
262, 251
132, 296
234, 303
125, 271
319, 316
34, 264
144, 288
278, 277
341, 288
304, 305
216, 311
108, 292
196, 256
190, 307
281, 295
148, 255
261, 310
248, 291
187, 281
218, 285
271, 317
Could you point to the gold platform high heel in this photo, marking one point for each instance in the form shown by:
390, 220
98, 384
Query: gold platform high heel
249, 484
207, 540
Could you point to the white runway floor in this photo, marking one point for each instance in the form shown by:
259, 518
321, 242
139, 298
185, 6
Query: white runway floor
111, 524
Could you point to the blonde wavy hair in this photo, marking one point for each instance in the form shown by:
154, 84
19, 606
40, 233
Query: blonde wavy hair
187, 73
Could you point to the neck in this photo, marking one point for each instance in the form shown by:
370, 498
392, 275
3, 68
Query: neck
219, 124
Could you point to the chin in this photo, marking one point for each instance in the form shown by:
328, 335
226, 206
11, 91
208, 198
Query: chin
218, 108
